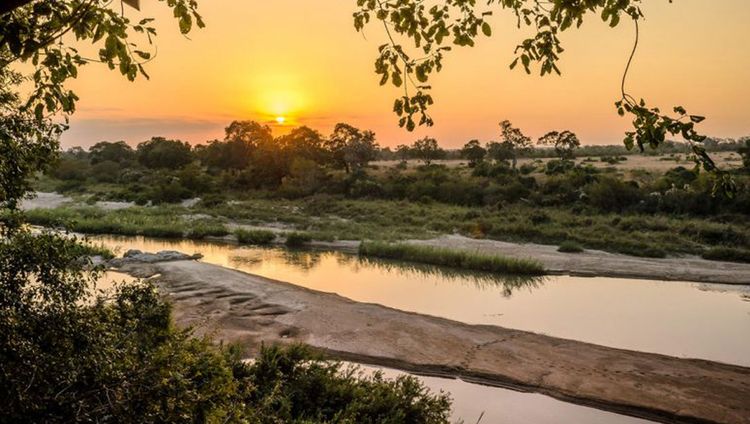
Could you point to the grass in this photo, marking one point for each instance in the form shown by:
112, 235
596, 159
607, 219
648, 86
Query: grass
297, 239
259, 237
331, 218
90, 249
451, 258
161, 222
203, 230
569, 246
729, 254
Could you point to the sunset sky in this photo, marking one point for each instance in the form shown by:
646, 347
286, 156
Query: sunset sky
304, 61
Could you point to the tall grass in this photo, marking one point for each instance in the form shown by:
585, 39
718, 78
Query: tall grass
201, 230
296, 239
451, 258
255, 236
569, 246
729, 254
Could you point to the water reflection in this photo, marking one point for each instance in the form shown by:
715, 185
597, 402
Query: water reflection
674, 318
474, 403
307, 260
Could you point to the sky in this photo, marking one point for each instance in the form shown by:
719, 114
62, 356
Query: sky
303, 60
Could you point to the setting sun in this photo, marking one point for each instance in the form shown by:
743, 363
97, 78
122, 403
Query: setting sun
280, 120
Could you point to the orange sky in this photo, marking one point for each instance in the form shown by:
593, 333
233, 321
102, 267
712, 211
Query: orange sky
303, 59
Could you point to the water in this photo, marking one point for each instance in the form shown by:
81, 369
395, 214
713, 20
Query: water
673, 318
496, 405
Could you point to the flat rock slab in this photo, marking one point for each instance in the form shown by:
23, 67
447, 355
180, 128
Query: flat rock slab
238, 307
604, 264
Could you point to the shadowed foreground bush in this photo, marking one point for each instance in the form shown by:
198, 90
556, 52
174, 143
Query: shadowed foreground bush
452, 258
68, 357
730, 254
255, 236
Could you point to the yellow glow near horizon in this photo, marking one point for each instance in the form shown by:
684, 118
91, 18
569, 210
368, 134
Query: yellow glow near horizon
304, 62
280, 120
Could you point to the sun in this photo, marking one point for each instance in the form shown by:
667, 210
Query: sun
280, 120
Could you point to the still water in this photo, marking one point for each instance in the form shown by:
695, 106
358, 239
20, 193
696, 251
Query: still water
474, 403
673, 318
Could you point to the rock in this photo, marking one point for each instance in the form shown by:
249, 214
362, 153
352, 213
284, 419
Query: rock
131, 253
134, 256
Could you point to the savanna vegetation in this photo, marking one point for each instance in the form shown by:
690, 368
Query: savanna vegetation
451, 258
69, 353
329, 188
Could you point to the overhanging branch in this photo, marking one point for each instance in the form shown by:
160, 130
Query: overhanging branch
10, 5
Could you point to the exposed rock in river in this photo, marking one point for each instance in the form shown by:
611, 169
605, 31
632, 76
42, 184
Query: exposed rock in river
136, 256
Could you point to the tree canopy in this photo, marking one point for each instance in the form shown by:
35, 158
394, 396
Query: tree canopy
420, 35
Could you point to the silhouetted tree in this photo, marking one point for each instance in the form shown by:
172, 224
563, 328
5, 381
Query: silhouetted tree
303, 143
351, 148
514, 140
564, 143
403, 152
161, 153
474, 152
119, 152
426, 149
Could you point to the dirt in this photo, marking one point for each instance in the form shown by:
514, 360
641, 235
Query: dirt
661, 164
237, 307
55, 200
45, 201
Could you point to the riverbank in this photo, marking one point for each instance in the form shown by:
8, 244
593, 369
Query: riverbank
239, 307
588, 263
597, 263
329, 218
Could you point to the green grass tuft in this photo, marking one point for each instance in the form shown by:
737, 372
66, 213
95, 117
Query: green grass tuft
451, 258
298, 239
90, 249
569, 246
201, 231
260, 237
729, 254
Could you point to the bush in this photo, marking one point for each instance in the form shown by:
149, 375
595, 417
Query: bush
296, 239
612, 194
452, 258
557, 166
162, 231
729, 254
259, 237
120, 358
200, 230
570, 246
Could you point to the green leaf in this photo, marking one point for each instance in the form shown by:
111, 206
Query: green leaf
486, 29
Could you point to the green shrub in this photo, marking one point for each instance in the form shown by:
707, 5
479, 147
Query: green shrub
296, 239
259, 237
330, 392
634, 249
730, 254
90, 249
201, 230
452, 258
121, 359
569, 246
162, 231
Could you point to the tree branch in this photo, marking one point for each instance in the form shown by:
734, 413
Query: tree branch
10, 5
